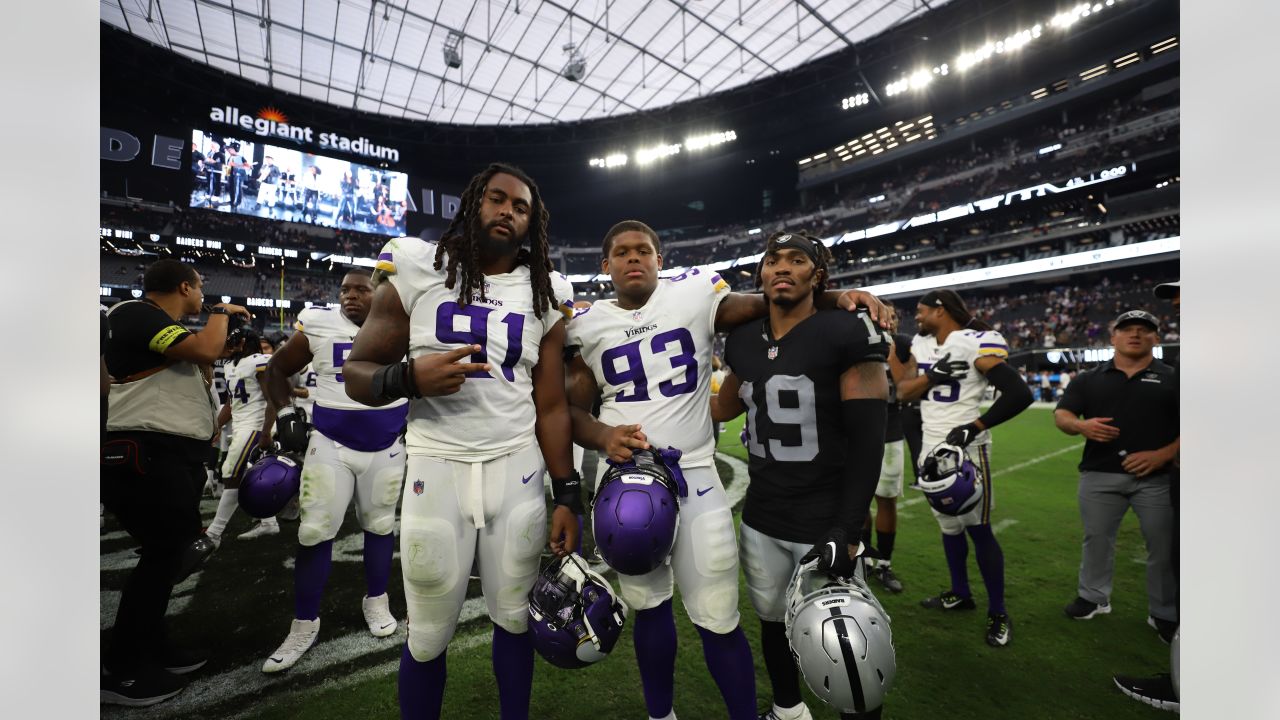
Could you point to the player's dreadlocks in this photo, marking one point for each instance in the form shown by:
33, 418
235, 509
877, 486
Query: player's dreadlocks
817, 252
952, 305
460, 242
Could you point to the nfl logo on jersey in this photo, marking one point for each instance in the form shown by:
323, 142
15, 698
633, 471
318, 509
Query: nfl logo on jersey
635, 316
773, 352
418, 487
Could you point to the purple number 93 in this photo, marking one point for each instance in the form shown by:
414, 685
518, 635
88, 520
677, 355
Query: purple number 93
630, 371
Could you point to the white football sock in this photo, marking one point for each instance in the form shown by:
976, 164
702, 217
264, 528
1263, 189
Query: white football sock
227, 505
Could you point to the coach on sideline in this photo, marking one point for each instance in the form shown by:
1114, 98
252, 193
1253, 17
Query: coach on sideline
160, 420
1129, 407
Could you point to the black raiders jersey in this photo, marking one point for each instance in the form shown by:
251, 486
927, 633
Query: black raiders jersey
795, 424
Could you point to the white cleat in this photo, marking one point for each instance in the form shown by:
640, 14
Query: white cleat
262, 529
302, 635
377, 615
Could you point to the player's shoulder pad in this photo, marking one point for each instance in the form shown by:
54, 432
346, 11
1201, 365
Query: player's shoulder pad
987, 343
402, 250
859, 333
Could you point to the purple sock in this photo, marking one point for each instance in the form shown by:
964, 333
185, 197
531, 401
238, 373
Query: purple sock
957, 549
377, 561
991, 565
513, 667
728, 658
310, 573
421, 686
655, 640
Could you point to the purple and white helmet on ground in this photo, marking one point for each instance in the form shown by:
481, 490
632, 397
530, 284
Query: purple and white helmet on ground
269, 484
951, 481
636, 512
575, 616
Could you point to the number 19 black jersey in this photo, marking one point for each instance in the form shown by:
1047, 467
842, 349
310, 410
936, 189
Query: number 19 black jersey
795, 425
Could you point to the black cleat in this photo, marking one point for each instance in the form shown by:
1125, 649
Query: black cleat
999, 629
948, 600
1082, 609
1155, 691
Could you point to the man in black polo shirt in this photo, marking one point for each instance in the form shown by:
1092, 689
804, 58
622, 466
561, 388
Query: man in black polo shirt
160, 420
1127, 409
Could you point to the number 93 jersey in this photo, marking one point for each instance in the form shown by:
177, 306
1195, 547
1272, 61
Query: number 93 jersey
956, 402
493, 414
653, 364
795, 423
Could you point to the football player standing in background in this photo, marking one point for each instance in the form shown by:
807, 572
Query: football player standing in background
880, 555
815, 388
355, 451
479, 430
958, 356
648, 352
247, 408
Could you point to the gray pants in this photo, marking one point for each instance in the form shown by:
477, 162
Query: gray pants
1104, 499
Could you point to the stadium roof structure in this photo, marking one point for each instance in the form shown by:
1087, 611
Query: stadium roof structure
518, 62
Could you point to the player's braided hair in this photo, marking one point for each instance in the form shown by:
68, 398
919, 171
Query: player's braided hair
460, 242
821, 264
950, 302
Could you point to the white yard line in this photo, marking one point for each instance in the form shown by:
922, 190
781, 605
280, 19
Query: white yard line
1003, 524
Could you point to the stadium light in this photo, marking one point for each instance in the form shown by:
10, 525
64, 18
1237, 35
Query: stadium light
609, 161
644, 156
698, 142
855, 101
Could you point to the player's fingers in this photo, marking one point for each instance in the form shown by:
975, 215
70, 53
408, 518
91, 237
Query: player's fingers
620, 455
464, 368
459, 353
634, 442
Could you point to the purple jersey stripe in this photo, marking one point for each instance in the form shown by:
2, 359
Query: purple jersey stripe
362, 430
994, 345
385, 256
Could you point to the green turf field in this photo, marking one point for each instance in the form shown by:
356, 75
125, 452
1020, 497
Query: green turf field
240, 606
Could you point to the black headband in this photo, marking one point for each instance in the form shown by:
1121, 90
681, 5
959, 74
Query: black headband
793, 242
933, 298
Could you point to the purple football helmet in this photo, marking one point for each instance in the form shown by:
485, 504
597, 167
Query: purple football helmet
951, 481
574, 614
635, 514
269, 484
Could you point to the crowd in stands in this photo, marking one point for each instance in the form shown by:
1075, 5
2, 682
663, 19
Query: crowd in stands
1068, 314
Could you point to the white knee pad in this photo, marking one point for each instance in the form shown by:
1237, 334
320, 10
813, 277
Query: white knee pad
319, 519
712, 601
379, 517
768, 596
427, 639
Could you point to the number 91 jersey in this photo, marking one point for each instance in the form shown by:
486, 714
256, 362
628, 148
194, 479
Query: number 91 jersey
493, 413
956, 402
796, 434
653, 364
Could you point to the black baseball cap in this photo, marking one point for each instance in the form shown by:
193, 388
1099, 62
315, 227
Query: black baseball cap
1137, 316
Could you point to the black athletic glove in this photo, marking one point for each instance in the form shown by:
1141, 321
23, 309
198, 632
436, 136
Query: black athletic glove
963, 435
292, 429
947, 370
832, 554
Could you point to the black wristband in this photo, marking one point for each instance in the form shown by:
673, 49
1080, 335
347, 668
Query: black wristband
395, 381
568, 492
218, 311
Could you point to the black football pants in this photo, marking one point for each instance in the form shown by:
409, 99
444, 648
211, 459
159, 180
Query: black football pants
151, 482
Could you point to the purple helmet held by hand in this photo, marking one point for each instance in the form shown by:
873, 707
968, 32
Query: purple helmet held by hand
269, 484
574, 614
951, 481
637, 510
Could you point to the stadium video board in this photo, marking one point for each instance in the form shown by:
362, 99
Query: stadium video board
279, 183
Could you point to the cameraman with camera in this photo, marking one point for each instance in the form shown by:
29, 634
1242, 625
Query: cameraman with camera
160, 421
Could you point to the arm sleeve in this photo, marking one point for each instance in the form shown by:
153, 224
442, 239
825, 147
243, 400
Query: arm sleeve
1015, 396
864, 422
149, 327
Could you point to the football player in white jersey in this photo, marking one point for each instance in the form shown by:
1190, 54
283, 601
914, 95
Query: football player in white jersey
355, 451
253, 418
647, 353
481, 318
958, 356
